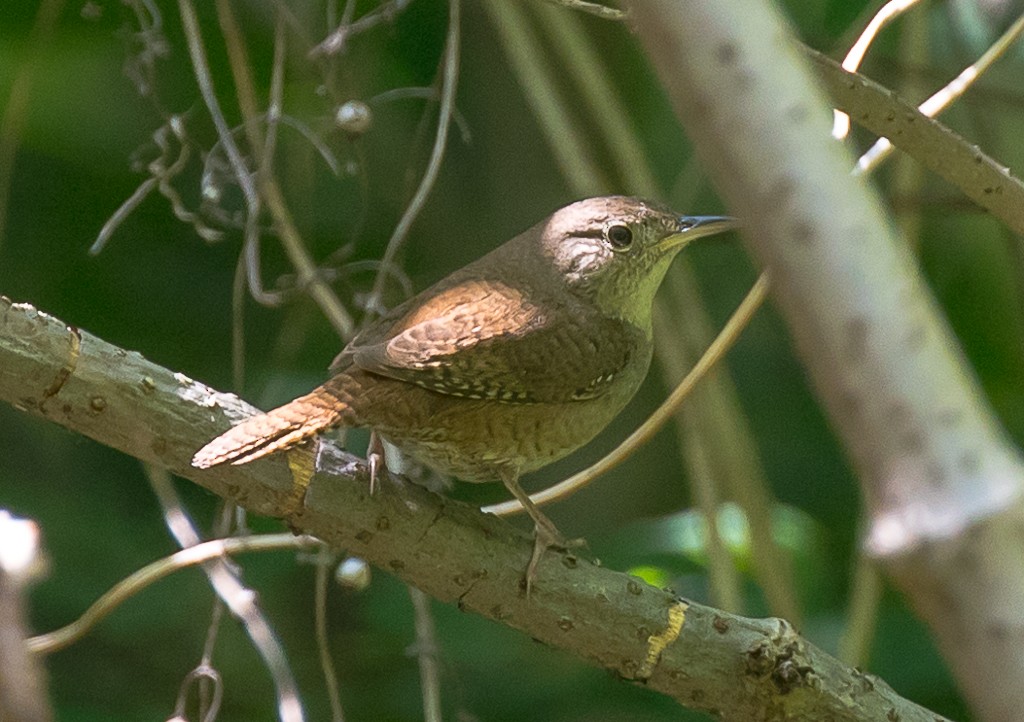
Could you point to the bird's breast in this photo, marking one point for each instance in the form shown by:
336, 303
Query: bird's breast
478, 439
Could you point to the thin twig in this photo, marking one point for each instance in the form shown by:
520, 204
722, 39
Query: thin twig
723, 578
984, 180
944, 97
427, 93
124, 210
238, 286
245, 92
862, 615
539, 85
275, 107
145, 47
210, 689
325, 560
154, 572
335, 42
591, 8
449, 83
722, 343
265, 160
203, 676
907, 178
211, 692
226, 138
308, 275
426, 653
201, 69
576, 47
889, 12
238, 58
161, 173
238, 598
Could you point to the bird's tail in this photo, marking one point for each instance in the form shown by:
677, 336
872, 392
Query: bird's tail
277, 430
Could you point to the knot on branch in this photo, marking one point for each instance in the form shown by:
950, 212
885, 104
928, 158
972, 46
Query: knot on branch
782, 661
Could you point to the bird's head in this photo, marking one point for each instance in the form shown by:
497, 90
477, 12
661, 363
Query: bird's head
615, 250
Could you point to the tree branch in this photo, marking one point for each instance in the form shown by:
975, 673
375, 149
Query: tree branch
740, 669
929, 142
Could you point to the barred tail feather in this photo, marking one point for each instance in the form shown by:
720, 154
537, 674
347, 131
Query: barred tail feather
274, 431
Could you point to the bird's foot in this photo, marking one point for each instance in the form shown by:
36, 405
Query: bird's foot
546, 536
375, 459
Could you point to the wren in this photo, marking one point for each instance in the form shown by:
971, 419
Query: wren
509, 363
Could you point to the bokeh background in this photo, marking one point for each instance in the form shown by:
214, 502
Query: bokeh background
96, 88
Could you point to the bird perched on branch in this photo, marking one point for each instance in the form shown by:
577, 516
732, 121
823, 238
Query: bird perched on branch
509, 363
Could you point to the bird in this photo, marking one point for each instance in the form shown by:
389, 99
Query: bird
506, 365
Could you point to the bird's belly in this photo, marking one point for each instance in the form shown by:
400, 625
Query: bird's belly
479, 441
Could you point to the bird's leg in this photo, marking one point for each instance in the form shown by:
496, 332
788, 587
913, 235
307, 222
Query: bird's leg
375, 458
545, 534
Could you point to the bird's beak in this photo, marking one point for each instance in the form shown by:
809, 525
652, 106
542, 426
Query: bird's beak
693, 227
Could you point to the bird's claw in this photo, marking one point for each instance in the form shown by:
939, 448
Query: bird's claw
375, 459
546, 536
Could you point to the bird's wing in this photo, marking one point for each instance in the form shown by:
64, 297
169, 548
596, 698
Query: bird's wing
490, 341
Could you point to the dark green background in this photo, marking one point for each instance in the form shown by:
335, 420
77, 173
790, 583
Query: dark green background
157, 288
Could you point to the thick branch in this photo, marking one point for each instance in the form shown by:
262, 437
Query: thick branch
741, 669
933, 461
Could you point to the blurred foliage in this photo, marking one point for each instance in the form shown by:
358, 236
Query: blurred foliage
86, 134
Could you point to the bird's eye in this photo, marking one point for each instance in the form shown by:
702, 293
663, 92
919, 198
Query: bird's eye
619, 236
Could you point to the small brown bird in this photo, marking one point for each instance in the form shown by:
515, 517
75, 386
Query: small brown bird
509, 363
